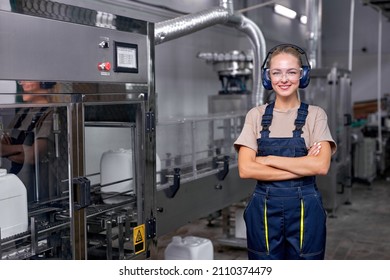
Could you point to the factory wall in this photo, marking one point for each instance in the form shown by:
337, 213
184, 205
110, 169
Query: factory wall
335, 45
184, 82
183, 79
180, 76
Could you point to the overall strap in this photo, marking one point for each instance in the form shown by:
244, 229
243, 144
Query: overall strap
35, 119
28, 136
267, 120
300, 120
21, 118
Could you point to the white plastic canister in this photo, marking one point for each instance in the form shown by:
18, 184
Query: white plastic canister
189, 248
240, 228
13, 205
116, 165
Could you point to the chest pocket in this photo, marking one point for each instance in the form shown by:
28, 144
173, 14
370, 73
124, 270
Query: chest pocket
285, 147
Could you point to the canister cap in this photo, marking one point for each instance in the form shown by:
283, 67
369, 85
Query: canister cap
176, 239
3, 172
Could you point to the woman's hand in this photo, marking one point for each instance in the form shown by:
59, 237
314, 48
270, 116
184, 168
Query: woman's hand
7, 149
252, 167
314, 150
6, 139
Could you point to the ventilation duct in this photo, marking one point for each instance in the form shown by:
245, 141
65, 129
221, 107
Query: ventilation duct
188, 24
314, 20
184, 25
249, 28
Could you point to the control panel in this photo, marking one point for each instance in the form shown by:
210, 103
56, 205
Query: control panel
92, 53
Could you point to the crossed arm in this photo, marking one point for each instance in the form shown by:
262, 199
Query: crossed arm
271, 168
21, 153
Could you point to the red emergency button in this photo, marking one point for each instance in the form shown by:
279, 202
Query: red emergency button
104, 66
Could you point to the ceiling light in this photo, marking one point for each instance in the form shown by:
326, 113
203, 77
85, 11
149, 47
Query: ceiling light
303, 19
284, 11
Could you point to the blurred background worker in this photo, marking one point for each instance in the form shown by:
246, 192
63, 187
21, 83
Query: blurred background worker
26, 141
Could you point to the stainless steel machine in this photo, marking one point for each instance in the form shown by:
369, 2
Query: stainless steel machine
199, 175
87, 158
330, 88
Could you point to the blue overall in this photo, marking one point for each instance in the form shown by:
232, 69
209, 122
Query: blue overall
285, 219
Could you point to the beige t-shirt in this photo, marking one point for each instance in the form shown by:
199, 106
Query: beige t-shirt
315, 129
43, 127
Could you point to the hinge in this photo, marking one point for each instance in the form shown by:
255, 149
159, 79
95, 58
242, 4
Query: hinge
151, 228
150, 122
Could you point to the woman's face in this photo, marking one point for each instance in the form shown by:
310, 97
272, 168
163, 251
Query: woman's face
285, 73
30, 87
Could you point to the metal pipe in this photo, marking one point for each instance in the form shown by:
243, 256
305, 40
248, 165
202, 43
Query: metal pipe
314, 19
256, 37
184, 25
188, 24
351, 21
379, 97
228, 5
319, 40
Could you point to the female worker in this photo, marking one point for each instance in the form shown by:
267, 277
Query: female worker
27, 141
285, 218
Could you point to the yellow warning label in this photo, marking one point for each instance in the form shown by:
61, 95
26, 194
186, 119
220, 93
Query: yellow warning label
139, 239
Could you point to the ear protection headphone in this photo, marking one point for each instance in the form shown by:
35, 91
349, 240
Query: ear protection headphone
304, 80
47, 85
42, 85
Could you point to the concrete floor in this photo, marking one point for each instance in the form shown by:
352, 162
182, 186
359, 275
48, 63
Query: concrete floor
359, 231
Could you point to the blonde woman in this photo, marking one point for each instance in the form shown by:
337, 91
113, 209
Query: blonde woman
285, 218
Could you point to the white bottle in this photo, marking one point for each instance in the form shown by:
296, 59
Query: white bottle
189, 248
116, 165
13, 205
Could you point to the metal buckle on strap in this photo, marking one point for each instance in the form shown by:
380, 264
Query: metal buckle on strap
266, 119
302, 111
266, 122
301, 118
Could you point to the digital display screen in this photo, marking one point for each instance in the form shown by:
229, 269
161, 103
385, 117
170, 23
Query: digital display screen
126, 57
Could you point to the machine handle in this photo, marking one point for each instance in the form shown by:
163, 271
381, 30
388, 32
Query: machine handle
223, 172
82, 192
348, 121
171, 191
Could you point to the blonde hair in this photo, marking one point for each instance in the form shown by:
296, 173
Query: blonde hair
288, 49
